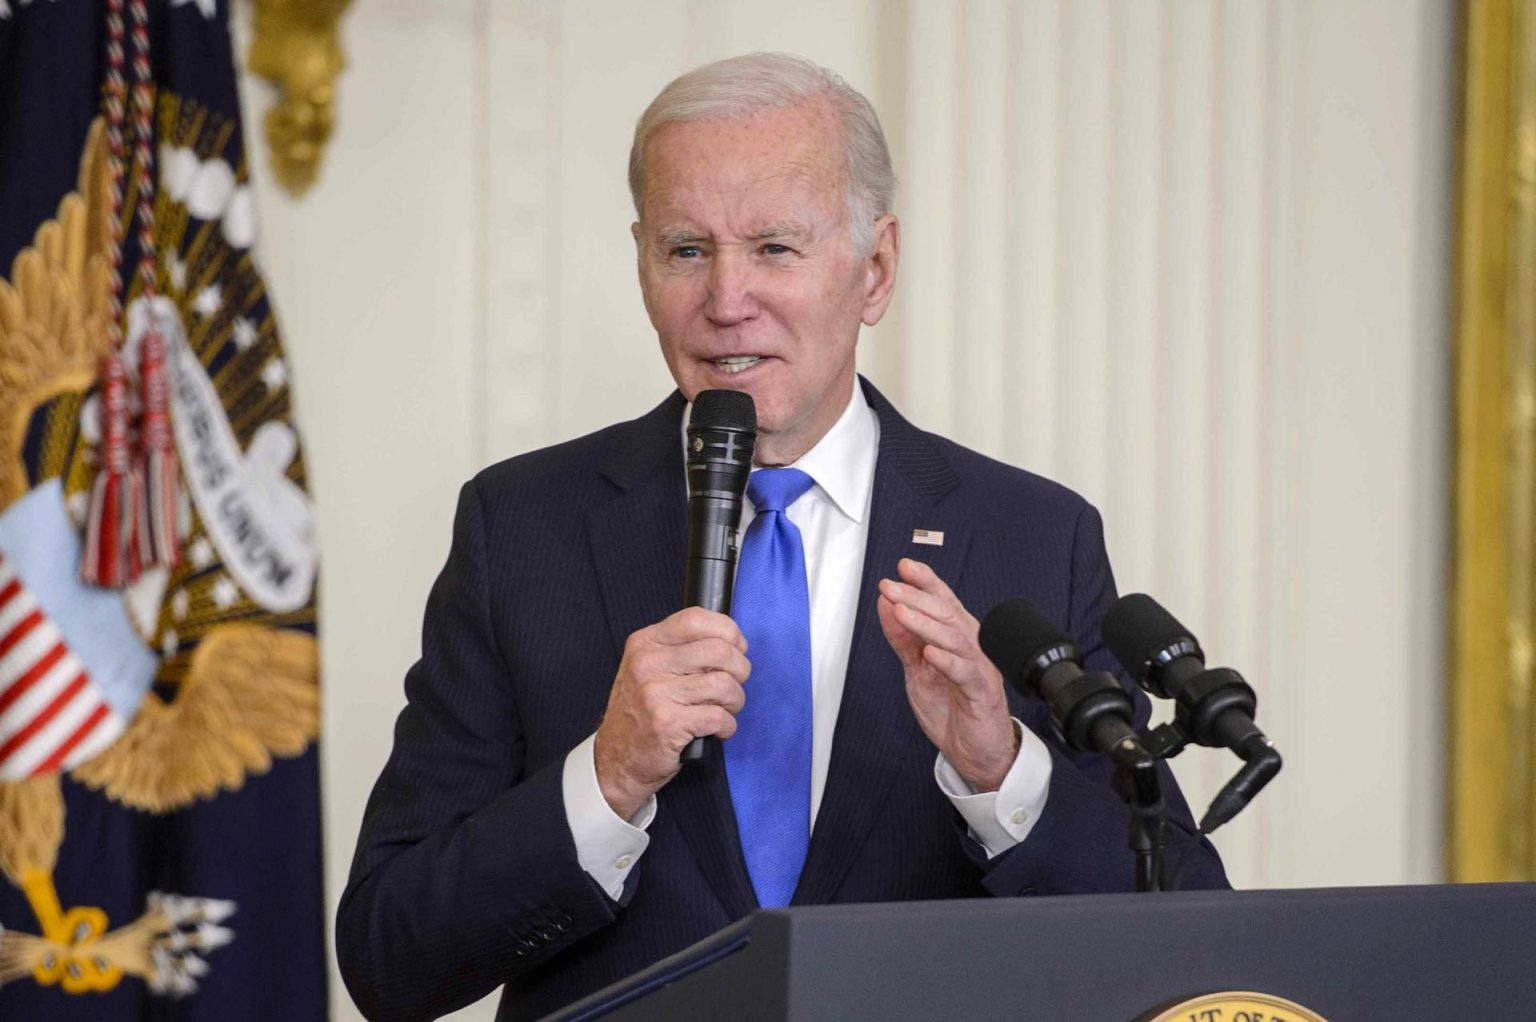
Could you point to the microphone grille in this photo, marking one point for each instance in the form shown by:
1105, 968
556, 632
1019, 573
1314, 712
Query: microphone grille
1137, 629
723, 409
1014, 635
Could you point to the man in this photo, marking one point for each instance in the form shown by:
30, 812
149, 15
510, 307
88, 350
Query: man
533, 826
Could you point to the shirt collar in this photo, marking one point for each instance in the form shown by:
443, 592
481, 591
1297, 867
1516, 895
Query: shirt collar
843, 461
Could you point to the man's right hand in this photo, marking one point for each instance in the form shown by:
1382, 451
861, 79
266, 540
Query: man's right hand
680, 679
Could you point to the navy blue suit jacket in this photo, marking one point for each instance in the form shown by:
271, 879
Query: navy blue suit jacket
466, 876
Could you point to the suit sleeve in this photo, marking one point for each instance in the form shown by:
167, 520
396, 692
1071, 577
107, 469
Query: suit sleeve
466, 873
1080, 844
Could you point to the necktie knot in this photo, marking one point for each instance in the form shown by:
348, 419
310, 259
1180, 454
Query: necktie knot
774, 489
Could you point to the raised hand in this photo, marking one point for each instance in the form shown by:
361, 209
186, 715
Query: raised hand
954, 690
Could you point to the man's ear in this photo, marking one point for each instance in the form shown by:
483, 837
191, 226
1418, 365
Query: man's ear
880, 269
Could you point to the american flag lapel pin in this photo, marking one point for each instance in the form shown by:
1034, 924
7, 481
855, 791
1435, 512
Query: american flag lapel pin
927, 537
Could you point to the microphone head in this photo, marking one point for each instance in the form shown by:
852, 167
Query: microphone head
1144, 638
722, 433
1023, 644
723, 409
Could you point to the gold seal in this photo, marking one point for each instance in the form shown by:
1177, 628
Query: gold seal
1237, 1006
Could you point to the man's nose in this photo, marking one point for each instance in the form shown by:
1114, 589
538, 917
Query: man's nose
731, 293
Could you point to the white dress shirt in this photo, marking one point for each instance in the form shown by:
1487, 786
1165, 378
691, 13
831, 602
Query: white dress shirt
833, 519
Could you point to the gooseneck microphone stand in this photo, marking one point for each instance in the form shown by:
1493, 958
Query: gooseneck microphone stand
1137, 780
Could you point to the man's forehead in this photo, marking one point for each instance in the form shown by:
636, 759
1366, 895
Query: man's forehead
812, 121
800, 141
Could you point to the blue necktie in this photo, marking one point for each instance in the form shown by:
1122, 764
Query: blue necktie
768, 761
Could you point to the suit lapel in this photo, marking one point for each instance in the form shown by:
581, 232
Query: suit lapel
639, 543
875, 724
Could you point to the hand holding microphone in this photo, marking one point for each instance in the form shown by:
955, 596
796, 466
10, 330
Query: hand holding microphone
722, 433
679, 685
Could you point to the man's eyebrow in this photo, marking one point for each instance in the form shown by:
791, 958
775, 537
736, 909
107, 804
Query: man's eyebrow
676, 236
781, 229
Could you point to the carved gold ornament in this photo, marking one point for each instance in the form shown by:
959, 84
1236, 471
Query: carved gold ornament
296, 47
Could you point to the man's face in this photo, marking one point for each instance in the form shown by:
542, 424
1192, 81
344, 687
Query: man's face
748, 270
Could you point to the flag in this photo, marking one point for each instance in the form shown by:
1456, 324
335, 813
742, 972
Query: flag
160, 847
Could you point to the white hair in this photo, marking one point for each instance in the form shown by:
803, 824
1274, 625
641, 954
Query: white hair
733, 88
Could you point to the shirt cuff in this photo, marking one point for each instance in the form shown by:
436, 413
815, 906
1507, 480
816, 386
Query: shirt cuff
607, 846
1001, 819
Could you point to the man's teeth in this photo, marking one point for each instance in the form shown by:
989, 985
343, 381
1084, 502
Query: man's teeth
736, 363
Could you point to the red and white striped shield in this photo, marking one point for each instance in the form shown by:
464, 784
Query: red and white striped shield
52, 715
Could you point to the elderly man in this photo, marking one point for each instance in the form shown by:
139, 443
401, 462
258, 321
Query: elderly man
533, 826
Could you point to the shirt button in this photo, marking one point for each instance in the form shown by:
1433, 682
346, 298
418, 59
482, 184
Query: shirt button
1018, 816
623, 861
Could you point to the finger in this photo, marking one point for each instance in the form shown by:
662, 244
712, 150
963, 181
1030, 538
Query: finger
693, 623
916, 573
704, 655
703, 721
956, 668
907, 646
931, 632
713, 689
935, 606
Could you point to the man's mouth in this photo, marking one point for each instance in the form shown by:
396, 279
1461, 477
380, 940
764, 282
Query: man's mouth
736, 363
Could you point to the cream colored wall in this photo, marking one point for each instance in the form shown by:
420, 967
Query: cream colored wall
1190, 258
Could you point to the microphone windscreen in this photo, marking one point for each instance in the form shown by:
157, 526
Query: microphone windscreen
1014, 634
1137, 629
723, 409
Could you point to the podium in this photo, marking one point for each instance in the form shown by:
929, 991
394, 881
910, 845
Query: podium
1423, 954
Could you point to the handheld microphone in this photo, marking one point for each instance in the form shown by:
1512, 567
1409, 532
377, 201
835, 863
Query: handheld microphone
1094, 713
1214, 706
722, 432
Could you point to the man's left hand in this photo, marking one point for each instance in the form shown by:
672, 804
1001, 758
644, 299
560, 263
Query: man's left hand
954, 689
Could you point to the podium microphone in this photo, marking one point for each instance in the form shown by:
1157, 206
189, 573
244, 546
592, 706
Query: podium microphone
1215, 706
1094, 713
722, 432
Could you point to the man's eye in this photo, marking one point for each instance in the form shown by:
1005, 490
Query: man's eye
775, 249
686, 252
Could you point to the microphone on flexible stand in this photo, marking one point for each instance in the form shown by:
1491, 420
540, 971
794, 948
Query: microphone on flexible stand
722, 432
1215, 706
1094, 713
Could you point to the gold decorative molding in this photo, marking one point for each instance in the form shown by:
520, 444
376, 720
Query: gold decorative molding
1492, 784
295, 45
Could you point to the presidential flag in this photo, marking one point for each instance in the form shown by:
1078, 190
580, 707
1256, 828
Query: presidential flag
159, 694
